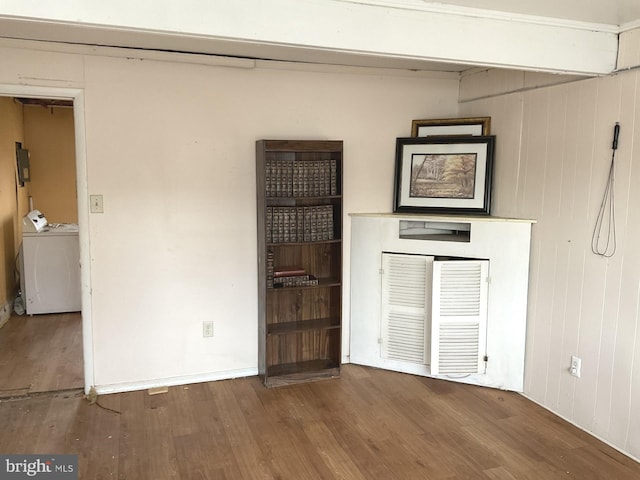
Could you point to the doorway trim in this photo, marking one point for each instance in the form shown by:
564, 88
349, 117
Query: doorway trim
77, 95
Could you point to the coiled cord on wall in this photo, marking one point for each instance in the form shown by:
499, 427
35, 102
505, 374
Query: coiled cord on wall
606, 221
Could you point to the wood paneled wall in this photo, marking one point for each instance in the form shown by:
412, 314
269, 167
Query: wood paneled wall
13, 201
49, 136
552, 161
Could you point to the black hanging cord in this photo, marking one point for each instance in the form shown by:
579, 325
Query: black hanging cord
606, 221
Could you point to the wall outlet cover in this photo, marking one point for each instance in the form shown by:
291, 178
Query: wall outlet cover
207, 329
576, 366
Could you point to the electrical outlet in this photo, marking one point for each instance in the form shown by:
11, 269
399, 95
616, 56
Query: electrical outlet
207, 329
576, 366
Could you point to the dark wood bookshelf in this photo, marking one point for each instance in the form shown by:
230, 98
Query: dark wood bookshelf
299, 200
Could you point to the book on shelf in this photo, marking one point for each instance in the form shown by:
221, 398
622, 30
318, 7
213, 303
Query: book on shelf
288, 178
330, 235
293, 224
277, 178
300, 224
323, 230
288, 271
267, 177
326, 176
334, 177
315, 224
269, 269
295, 281
269, 225
296, 179
304, 167
275, 229
291, 279
286, 227
306, 225
316, 179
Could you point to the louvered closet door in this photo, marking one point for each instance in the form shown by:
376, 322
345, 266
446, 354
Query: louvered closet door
406, 288
459, 317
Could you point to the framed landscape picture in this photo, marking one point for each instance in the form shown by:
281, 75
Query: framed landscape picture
447, 174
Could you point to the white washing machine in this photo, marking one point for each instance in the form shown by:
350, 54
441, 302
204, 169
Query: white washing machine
50, 269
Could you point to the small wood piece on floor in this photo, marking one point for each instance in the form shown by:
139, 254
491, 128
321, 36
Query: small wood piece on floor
157, 390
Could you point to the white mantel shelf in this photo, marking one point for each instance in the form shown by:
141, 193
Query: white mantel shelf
442, 218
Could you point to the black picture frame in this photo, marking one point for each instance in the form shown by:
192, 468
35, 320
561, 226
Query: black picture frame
445, 174
23, 167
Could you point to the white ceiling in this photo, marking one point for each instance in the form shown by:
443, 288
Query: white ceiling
611, 12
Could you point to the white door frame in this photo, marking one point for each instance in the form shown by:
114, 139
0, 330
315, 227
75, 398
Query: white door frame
77, 95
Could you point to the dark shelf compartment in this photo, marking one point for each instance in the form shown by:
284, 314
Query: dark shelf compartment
303, 325
288, 373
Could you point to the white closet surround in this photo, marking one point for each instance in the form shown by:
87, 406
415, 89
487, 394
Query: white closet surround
441, 296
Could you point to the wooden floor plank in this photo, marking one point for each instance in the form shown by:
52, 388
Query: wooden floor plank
54, 431
132, 447
369, 424
162, 447
204, 430
21, 424
342, 420
245, 448
196, 458
41, 353
63, 367
101, 444
280, 429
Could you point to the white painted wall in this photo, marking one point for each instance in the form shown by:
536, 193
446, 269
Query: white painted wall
553, 155
171, 147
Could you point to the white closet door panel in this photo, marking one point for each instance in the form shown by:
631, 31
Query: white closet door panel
406, 286
459, 317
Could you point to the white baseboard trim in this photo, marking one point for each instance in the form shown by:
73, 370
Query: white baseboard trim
173, 381
5, 312
615, 447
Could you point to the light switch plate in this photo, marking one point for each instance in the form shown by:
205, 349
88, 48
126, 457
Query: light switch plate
95, 201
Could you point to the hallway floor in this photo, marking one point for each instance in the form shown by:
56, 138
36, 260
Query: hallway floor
41, 353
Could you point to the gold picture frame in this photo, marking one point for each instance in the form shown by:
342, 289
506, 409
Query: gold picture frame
474, 126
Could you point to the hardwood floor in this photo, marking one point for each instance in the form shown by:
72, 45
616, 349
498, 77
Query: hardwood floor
41, 353
370, 424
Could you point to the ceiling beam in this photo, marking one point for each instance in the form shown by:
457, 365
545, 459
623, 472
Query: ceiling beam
402, 33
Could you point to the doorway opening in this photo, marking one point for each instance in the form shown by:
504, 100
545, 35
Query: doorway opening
49, 348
